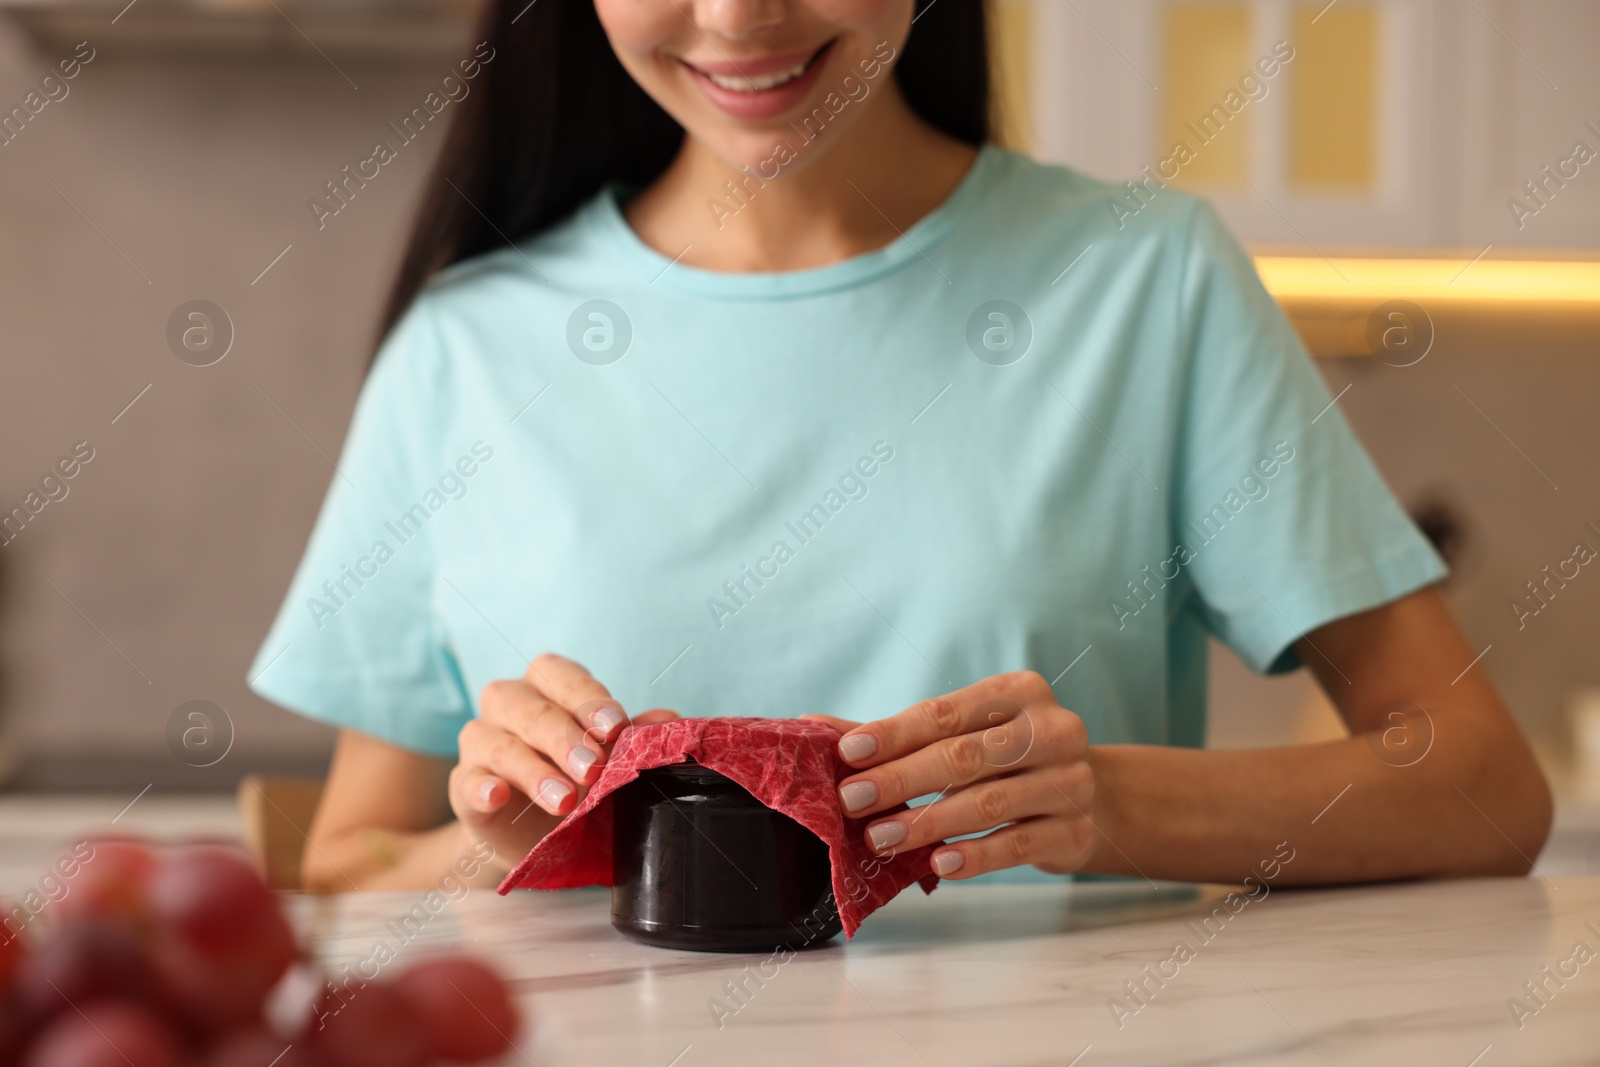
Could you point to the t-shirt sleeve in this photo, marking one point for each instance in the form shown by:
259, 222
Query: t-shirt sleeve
358, 642
1287, 523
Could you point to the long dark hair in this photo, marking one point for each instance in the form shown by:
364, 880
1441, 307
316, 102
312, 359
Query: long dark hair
554, 116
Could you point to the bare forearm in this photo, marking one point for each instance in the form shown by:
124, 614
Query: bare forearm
1475, 804
373, 858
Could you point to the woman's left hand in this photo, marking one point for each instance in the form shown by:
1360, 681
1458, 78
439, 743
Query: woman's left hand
1001, 753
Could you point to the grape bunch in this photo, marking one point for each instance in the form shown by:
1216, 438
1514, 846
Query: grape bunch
180, 956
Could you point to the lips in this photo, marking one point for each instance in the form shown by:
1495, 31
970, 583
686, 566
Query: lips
760, 87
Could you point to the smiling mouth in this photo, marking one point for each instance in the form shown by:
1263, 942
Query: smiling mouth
760, 83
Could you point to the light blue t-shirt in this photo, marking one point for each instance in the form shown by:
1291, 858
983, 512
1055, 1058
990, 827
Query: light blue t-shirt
1024, 435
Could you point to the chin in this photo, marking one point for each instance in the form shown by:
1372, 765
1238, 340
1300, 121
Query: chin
770, 154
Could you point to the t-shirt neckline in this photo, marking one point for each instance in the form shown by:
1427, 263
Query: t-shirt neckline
610, 225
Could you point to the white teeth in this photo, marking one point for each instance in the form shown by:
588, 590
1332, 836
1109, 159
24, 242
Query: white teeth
759, 82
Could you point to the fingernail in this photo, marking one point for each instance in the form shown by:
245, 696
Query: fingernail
948, 863
552, 791
607, 718
886, 835
858, 795
580, 759
857, 747
486, 793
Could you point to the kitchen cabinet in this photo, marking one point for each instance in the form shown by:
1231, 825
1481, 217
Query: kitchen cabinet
1387, 124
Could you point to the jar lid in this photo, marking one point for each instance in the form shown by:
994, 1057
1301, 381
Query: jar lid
690, 772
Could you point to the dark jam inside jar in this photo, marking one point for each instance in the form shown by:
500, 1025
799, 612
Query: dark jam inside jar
699, 863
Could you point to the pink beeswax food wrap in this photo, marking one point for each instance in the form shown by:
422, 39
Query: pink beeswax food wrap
790, 765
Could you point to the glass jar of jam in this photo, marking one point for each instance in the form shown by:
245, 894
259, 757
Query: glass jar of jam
698, 863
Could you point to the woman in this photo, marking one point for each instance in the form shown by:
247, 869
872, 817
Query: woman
730, 361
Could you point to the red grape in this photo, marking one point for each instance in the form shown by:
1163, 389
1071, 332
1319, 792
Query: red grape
109, 880
212, 897
165, 959
94, 958
15, 1026
107, 1033
257, 1048
291, 1006
375, 1027
13, 950
227, 942
463, 1007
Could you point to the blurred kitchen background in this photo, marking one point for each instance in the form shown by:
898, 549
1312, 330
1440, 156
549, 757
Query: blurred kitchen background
1383, 163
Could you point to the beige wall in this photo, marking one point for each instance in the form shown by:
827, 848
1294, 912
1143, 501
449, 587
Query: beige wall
177, 540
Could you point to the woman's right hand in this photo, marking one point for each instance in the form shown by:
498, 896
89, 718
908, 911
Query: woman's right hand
537, 743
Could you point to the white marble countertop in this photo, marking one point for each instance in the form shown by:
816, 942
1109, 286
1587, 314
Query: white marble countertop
1419, 974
